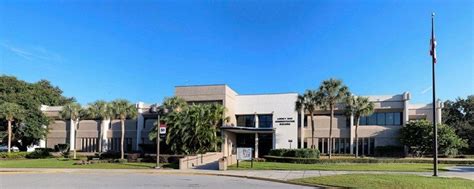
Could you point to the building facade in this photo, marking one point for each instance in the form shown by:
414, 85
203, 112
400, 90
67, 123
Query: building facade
259, 121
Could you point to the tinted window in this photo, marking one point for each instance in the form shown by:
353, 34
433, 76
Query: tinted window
389, 118
380, 118
363, 120
245, 120
372, 119
265, 121
397, 117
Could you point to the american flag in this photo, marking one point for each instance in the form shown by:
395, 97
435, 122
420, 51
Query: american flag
433, 45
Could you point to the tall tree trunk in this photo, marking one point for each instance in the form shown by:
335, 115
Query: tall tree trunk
9, 135
122, 122
330, 133
312, 131
357, 138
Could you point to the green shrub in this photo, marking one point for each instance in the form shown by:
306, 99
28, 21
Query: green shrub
13, 155
300, 153
121, 161
389, 151
361, 160
40, 153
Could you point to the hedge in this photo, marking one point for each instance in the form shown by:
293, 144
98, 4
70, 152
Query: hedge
389, 151
40, 153
361, 160
13, 155
298, 153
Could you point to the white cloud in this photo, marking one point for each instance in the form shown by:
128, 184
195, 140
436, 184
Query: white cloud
36, 53
426, 90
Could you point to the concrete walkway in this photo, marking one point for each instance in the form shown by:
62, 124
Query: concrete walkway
466, 172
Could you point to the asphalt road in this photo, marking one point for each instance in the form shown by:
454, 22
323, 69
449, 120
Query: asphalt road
131, 180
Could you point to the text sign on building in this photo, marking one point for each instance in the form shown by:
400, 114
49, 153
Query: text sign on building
284, 120
244, 153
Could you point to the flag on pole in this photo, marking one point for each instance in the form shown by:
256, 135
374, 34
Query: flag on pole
433, 45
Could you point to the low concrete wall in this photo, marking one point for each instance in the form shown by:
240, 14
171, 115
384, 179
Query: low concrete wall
188, 162
231, 160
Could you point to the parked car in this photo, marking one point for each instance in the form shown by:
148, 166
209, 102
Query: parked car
4, 148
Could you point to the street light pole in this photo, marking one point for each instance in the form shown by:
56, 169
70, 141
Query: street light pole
158, 141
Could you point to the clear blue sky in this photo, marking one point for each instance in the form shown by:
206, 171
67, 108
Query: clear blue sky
140, 50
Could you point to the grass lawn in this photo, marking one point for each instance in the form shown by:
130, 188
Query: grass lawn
387, 181
411, 167
60, 163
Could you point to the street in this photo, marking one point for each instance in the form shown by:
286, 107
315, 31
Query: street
126, 180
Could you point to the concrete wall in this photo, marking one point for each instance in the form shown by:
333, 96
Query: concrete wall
189, 162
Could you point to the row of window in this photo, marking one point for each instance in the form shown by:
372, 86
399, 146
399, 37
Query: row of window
379, 118
382, 118
264, 120
342, 145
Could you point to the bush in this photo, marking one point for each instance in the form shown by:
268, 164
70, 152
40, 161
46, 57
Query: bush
299, 153
13, 155
40, 153
121, 161
389, 151
361, 160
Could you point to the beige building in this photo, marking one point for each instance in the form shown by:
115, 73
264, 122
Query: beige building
259, 121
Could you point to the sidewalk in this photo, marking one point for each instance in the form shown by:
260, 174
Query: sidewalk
466, 172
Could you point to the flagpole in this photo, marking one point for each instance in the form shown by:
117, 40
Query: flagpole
435, 128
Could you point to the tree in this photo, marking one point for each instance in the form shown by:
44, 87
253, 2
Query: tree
192, 130
332, 91
122, 110
308, 103
459, 115
174, 103
74, 112
101, 110
358, 107
30, 96
418, 137
10, 112
216, 115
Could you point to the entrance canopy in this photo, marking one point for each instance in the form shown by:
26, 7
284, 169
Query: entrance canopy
247, 129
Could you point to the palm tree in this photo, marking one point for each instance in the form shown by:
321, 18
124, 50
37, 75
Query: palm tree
308, 103
103, 111
216, 115
358, 107
74, 112
122, 110
332, 91
174, 103
10, 112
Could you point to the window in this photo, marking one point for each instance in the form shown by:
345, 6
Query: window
245, 120
380, 118
265, 121
389, 118
397, 118
363, 120
372, 119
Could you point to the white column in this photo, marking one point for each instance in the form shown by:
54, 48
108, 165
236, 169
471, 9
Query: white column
42, 142
256, 146
105, 128
406, 98
352, 130
439, 106
72, 134
140, 123
302, 129
256, 120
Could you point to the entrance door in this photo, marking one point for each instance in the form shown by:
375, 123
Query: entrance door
265, 143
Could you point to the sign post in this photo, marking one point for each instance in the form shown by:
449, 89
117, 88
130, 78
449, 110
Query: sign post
244, 154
